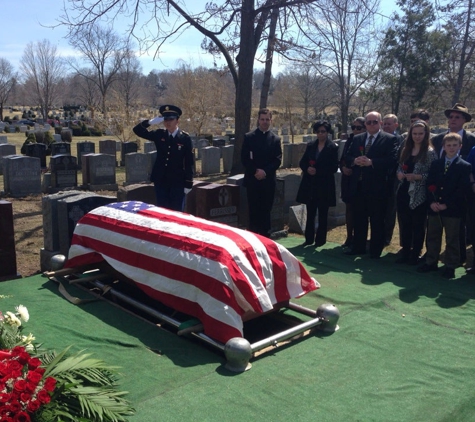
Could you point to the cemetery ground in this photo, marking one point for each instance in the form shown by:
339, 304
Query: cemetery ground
28, 217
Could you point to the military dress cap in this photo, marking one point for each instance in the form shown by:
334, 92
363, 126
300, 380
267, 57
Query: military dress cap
459, 108
170, 111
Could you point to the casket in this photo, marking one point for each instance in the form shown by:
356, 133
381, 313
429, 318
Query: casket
216, 273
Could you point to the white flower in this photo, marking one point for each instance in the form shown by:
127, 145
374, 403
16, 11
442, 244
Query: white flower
11, 318
22, 312
28, 339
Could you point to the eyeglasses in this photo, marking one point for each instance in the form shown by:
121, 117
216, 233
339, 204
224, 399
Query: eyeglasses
321, 131
371, 122
169, 118
357, 127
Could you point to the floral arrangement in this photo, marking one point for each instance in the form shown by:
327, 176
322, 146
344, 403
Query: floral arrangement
43, 386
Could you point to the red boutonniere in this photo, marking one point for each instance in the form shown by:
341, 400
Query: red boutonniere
404, 168
362, 149
312, 162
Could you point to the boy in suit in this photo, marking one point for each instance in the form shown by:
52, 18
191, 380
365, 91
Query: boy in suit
447, 183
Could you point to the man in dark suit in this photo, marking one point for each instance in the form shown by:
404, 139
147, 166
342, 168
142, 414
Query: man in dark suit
457, 116
370, 156
172, 173
261, 156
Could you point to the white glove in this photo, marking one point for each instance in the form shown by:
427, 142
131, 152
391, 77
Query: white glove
156, 120
187, 191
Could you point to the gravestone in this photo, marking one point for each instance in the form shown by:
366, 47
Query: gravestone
227, 153
190, 198
63, 171
21, 175
200, 144
57, 138
71, 209
217, 202
144, 193
210, 161
292, 183
84, 147
149, 147
38, 151
60, 148
243, 210
137, 168
3, 139
8, 268
6, 149
297, 219
277, 213
127, 148
219, 143
108, 147
337, 214
100, 171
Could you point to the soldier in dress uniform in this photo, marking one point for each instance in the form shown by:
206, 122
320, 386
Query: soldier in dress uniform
172, 173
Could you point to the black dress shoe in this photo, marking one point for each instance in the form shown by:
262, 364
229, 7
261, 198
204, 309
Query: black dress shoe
306, 243
471, 270
448, 273
318, 244
403, 259
413, 260
425, 268
348, 243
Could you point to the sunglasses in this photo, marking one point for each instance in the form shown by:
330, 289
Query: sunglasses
371, 122
357, 127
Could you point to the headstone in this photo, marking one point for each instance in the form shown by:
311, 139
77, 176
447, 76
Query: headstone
210, 161
63, 171
337, 214
219, 143
243, 209
84, 147
137, 168
47, 127
144, 193
127, 148
57, 138
8, 268
6, 149
217, 202
108, 147
3, 139
149, 147
292, 183
277, 213
63, 148
100, 171
37, 150
190, 198
200, 144
70, 211
21, 175
227, 153
285, 139
23, 128
297, 219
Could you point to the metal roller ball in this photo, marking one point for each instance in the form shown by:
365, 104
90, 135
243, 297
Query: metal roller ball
238, 352
330, 315
57, 262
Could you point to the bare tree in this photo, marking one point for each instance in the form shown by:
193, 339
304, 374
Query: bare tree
83, 90
232, 28
105, 51
339, 39
43, 68
8, 79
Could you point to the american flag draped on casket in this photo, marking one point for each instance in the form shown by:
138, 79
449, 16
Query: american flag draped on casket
208, 270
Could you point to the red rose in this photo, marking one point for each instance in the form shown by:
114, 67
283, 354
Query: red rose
22, 417
33, 406
20, 385
361, 149
432, 188
33, 363
5, 355
15, 407
44, 397
17, 350
30, 387
4, 397
50, 384
40, 371
312, 162
34, 377
25, 397
404, 167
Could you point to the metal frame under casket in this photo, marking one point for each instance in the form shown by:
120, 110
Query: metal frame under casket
238, 351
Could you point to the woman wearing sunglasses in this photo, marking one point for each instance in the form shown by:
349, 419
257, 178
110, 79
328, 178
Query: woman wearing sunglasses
357, 127
317, 191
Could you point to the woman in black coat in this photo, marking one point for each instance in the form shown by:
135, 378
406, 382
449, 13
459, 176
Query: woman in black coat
319, 164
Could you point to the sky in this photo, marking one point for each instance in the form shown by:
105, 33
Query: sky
38, 20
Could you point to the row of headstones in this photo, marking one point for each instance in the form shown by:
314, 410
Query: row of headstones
223, 203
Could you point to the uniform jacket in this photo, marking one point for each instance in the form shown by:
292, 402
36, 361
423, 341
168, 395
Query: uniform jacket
174, 163
449, 187
319, 188
260, 151
374, 179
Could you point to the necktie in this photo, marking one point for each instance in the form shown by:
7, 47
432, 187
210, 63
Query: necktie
368, 145
447, 165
